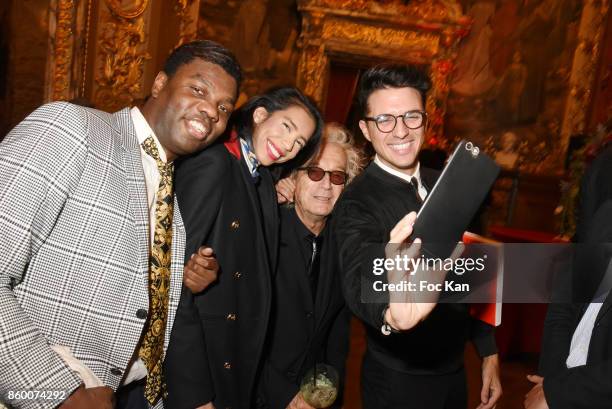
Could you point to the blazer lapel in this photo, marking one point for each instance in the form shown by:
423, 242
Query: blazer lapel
605, 308
132, 164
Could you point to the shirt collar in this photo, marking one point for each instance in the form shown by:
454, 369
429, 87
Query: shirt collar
143, 131
249, 156
401, 175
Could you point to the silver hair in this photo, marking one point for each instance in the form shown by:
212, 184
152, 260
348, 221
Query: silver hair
338, 134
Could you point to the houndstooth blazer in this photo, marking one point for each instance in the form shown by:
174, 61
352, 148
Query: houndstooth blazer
74, 247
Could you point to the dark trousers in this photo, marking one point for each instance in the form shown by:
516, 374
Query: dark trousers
385, 388
131, 396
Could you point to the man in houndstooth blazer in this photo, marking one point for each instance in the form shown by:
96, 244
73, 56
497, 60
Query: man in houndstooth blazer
75, 223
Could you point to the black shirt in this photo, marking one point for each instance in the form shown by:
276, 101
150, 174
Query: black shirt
305, 329
363, 218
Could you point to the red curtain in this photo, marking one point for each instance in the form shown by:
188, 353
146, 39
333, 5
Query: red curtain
340, 92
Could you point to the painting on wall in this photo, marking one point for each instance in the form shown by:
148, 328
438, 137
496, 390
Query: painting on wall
511, 79
262, 34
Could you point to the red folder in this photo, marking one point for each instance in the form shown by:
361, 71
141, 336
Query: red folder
491, 312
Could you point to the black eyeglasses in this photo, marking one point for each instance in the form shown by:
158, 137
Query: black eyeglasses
315, 173
386, 122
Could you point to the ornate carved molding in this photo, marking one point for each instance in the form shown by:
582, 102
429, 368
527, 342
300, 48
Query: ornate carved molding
584, 69
129, 13
187, 12
122, 43
62, 53
341, 30
436, 11
420, 32
312, 68
67, 57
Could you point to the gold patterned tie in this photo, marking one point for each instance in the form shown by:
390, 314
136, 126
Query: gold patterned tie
152, 346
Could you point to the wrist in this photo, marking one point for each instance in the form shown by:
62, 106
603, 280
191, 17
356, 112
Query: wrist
74, 396
387, 327
491, 358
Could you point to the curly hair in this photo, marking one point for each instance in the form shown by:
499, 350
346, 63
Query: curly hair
338, 134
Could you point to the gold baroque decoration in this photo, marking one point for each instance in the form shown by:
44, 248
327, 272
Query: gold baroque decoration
186, 33
138, 8
63, 49
419, 32
123, 60
312, 65
592, 27
379, 36
437, 10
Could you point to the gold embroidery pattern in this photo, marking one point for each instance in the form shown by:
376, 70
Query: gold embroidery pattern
152, 347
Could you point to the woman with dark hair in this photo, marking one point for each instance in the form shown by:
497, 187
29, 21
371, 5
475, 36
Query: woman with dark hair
228, 202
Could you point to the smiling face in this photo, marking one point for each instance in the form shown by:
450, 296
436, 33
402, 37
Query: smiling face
315, 200
279, 136
399, 148
189, 110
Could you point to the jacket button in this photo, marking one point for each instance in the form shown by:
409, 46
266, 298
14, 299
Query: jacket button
235, 224
227, 365
231, 317
142, 314
116, 371
309, 314
237, 275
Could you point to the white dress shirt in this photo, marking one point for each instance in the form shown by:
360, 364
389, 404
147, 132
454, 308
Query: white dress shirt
416, 174
152, 178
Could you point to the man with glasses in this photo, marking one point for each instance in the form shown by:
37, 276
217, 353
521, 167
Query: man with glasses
309, 321
414, 356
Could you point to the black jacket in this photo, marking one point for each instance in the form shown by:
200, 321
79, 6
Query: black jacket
363, 218
302, 332
588, 386
218, 336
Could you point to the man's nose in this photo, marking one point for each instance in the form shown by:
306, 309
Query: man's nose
401, 130
209, 109
326, 181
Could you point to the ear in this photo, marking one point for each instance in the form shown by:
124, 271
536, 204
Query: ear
364, 129
159, 84
260, 114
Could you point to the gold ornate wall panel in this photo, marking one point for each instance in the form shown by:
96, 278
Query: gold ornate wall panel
107, 52
355, 31
69, 22
121, 52
187, 12
584, 70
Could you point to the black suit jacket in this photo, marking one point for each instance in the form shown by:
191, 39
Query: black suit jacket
582, 387
302, 332
363, 219
588, 386
218, 335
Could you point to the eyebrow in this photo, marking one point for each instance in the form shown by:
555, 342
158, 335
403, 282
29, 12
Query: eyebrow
198, 77
291, 122
332, 170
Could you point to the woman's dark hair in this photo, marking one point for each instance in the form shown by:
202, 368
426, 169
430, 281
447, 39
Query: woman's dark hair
391, 76
208, 51
278, 99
